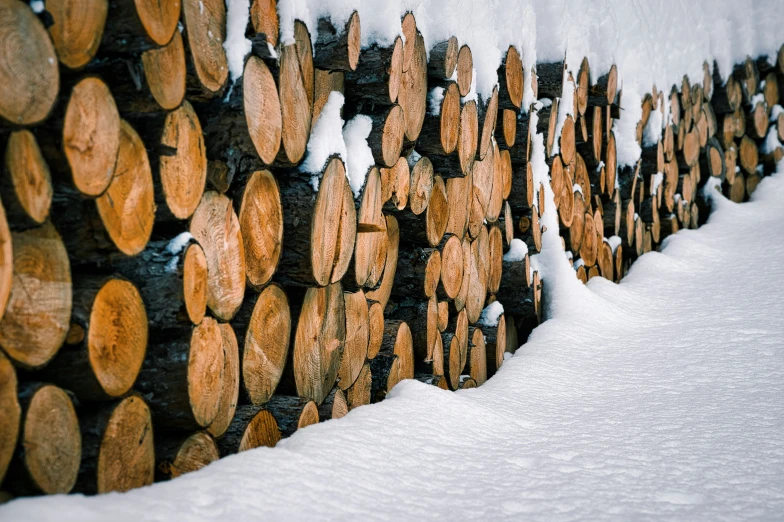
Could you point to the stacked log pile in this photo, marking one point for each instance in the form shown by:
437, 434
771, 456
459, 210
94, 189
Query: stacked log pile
175, 288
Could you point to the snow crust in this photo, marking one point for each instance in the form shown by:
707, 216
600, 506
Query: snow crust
491, 314
360, 157
236, 45
517, 250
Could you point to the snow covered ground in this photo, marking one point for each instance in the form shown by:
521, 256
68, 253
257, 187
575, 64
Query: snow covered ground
661, 397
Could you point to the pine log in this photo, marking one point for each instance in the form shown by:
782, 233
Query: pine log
443, 60
412, 96
28, 67
460, 164
295, 88
488, 114
10, 414
385, 373
215, 226
117, 447
165, 72
771, 89
338, 48
478, 273
76, 29
359, 392
477, 355
254, 427
205, 26
397, 345
50, 445
334, 406
321, 228
384, 290
757, 121
177, 456
357, 339
182, 376
107, 340
229, 394
605, 90
38, 310
26, 187
421, 185
396, 185
440, 132
428, 228
495, 261
748, 155
530, 230
506, 128
511, 80
376, 80
727, 97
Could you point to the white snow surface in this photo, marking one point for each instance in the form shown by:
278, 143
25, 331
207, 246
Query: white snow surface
177, 243
591, 419
775, 111
360, 157
236, 45
326, 138
565, 109
517, 250
434, 99
491, 314
37, 6
771, 142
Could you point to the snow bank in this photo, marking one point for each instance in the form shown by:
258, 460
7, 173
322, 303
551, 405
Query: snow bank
236, 45
517, 250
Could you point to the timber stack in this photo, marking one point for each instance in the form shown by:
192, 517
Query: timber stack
180, 282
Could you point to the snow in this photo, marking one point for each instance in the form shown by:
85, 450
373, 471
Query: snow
472, 94
434, 99
360, 157
625, 128
517, 250
326, 138
775, 111
757, 98
37, 6
771, 142
491, 314
236, 45
176, 245
577, 188
614, 242
653, 129
658, 179
565, 109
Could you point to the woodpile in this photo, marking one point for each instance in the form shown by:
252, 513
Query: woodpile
174, 288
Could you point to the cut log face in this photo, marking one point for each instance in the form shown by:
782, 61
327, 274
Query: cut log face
375, 327
421, 185
10, 413
127, 208
468, 138
117, 336
319, 341
261, 227
37, 316
91, 136
126, 455
437, 212
264, 16
205, 23
31, 182
28, 67
465, 70
215, 226
77, 29
184, 174
333, 226
158, 18
443, 59
231, 382
357, 338
449, 118
359, 392
165, 72
338, 48
367, 244
382, 293
266, 344
451, 267
50, 440
192, 454
194, 279
262, 109
205, 371
412, 96
477, 356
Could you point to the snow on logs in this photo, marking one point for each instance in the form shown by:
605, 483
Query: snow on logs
167, 265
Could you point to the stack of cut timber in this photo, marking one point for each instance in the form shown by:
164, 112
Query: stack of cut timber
175, 288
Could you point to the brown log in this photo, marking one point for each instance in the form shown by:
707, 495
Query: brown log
439, 135
460, 164
261, 227
386, 136
605, 90
419, 271
107, 340
757, 121
334, 406
488, 114
531, 231
215, 226
521, 198
495, 262
264, 17
376, 80
771, 89
495, 343
77, 29
319, 341
516, 281
421, 187
384, 290
338, 48
727, 97
612, 215
359, 392
747, 74
177, 455
465, 70
28, 68
736, 191
396, 185
429, 228
255, 426
38, 310
412, 96
477, 356
165, 72
355, 349
326, 81
478, 275
27, 185
295, 90
264, 327
511, 80
506, 128
50, 445
749, 155
205, 26
458, 196
397, 345
321, 228
443, 59
231, 382
10, 414
385, 372
183, 377
117, 448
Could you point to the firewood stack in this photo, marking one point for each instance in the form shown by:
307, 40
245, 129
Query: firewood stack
176, 288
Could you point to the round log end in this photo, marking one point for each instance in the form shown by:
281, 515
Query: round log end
194, 280
196, 451
205, 371
231, 382
262, 431
159, 19
261, 226
184, 174
77, 29
262, 109
30, 176
165, 72
10, 414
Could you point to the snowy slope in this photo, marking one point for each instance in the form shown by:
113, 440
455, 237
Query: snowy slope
661, 396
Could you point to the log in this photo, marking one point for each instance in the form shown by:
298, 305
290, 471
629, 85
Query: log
177, 456
495, 343
28, 68
727, 97
412, 96
384, 290
495, 262
117, 447
460, 164
757, 121
506, 128
419, 272
264, 326
264, 18
749, 155
182, 376
477, 275
421, 185
747, 74
229, 395
521, 197
396, 185
488, 114
359, 392
712, 159
771, 89
376, 80
385, 373
605, 90
465, 70
38, 310
295, 90
443, 60
477, 355
321, 228
107, 340
355, 349
10, 414
251, 427
371, 235
319, 341
50, 445
215, 226
338, 48
397, 345
26, 187
205, 26
440, 132
165, 72
549, 76
429, 228
76, 29
511, 80
334, 406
